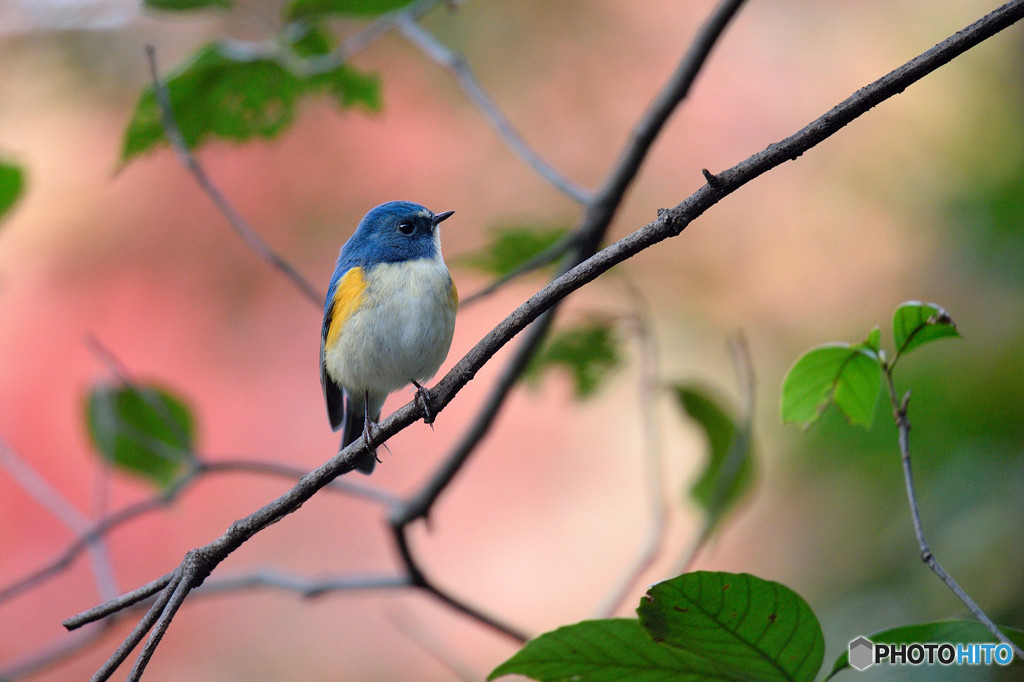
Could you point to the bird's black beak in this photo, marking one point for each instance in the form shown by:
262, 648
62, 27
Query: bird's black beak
438, 217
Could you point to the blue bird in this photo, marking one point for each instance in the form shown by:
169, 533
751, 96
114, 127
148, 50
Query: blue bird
389, 317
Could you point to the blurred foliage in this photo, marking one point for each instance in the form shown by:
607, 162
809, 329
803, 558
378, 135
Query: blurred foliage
511, 247
700, 625
12, 184
589, 352
220, 94
143, 430
729, 471
301, 9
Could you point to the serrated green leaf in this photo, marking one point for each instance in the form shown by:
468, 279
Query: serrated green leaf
849, 377
729, 469
216, 95
952, 632
144, 430
301, 9
180, 5
589, 352
12, 184
511, 247
753, 628
915, 324
616, 649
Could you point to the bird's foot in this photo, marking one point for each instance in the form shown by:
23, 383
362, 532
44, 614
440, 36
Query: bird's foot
423, 396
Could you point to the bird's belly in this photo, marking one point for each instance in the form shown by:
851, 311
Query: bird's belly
401, 332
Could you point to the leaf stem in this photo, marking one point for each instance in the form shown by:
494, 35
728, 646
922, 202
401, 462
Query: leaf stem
899, 410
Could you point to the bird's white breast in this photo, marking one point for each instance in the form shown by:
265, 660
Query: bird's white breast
401, 331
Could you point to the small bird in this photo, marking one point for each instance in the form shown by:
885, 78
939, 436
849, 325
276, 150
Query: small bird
388, 319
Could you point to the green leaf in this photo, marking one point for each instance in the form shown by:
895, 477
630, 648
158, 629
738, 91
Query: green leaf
614, 649
753, 628
512, 247
141, 429
301, 9
589, 352
850, 377
12, 184
915, 324
730, 468
215, 94
952, 631
179, 5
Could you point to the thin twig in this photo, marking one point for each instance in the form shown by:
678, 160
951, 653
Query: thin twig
234, 218
739, 451
36, 486
899, 413
670, 222
654, 460
545, 257
459, 69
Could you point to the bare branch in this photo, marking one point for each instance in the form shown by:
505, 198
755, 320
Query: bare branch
899, 413
457, 66
234, 218
587, 236
654, 461
36, 486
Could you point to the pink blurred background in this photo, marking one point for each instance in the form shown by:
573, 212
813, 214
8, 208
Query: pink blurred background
551, 510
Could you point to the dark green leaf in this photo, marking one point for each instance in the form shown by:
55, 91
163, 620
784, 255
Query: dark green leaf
755, 629
589, 352
915, 324
313, 41
217, 95
141, 429
729, 470
605, 650
850, 377
301, 9
511, 248
952, 631
178, 5
12, 183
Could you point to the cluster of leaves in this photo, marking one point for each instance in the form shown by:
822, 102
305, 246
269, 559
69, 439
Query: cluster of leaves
850, 376
228, 92
709, 626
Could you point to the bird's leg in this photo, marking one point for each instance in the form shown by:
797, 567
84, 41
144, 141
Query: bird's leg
368, 426
423, 395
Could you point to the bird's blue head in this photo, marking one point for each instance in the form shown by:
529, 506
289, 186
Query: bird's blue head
395, 231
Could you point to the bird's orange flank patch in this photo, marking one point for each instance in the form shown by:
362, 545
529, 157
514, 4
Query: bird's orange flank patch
347, 298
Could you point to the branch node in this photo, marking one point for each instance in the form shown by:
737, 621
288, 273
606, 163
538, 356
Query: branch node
713, 180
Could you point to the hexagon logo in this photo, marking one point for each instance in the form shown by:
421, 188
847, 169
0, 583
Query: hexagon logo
862, 653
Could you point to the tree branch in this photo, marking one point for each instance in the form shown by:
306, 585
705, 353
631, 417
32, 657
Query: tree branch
899, 413
234, 218
458, 68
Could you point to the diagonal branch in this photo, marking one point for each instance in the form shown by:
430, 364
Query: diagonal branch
241, 227
669, 223
899, 413
456, 65
587, 236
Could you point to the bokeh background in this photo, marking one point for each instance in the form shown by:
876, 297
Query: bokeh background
923, 198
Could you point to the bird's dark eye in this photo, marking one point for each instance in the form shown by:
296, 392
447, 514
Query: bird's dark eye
406, 227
